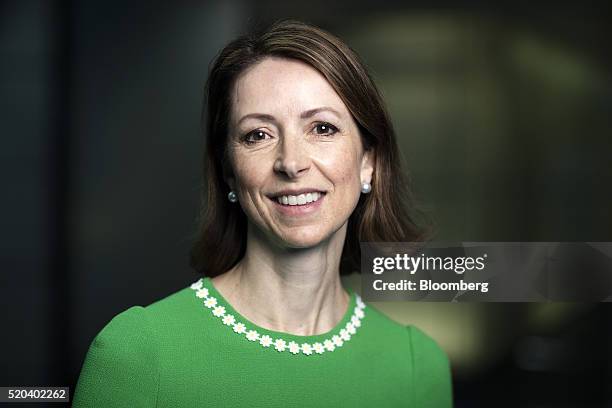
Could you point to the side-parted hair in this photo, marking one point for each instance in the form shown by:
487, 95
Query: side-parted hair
383, 215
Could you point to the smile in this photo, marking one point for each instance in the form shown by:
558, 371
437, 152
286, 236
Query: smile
301, 199
298, 205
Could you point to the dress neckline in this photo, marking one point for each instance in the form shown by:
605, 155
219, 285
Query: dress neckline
346, 319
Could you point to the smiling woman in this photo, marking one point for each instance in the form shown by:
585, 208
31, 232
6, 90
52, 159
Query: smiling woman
305, 142
301, 165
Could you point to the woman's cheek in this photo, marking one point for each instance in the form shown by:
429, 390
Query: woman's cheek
345, 168
247, 171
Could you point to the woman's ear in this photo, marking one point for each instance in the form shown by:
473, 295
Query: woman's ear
367, 166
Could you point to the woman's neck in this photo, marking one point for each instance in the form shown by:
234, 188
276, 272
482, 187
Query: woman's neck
295, 291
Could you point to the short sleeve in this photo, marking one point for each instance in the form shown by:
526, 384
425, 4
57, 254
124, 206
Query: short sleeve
431, 372
121, 365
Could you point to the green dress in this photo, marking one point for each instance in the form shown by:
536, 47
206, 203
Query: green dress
192, 349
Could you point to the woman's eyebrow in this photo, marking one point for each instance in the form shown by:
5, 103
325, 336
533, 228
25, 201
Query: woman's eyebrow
261, 116
304, 115
312, 112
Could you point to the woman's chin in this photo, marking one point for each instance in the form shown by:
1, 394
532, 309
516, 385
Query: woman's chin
303, 239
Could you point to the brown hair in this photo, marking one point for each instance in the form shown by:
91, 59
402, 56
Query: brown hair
381, 216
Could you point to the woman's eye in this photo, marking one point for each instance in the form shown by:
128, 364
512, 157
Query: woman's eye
325, 129
255, 136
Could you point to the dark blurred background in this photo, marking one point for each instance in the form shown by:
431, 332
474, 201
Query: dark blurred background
503, 115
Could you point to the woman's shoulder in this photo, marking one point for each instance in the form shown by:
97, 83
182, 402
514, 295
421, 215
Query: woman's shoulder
143, 324
132, 322
421, 346
168, 306
430, 359
137, 326
122, 357
389, 327
383, 323
126, 354
176, 315
137, 317
430, 366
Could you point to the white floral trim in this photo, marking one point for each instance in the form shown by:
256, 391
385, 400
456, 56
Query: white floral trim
279, 344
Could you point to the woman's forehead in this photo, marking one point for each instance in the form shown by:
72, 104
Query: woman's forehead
279, 86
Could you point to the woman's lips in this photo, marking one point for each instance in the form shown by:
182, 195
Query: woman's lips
298, 210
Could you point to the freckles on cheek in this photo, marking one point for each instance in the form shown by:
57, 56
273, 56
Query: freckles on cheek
348, 177
345, 167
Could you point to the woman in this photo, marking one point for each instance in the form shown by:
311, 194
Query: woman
301, 165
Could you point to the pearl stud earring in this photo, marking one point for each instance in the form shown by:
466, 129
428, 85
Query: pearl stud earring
232, 196
366, 188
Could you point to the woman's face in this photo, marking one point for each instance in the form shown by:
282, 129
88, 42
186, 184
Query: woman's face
291, 134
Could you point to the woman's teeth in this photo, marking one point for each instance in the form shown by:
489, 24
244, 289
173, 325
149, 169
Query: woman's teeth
299, 199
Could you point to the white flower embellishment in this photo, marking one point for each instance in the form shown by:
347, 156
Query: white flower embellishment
280, 345
239, 328
229, 320
360, 303
337, 341
202, 293
306, 349
210, 302
294, 348
265, 340
252, 335
219, 311
344, 335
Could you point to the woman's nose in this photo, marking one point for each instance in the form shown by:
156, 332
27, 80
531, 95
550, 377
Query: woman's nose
292, 158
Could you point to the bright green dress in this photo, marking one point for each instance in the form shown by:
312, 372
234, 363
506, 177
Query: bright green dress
192, 349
